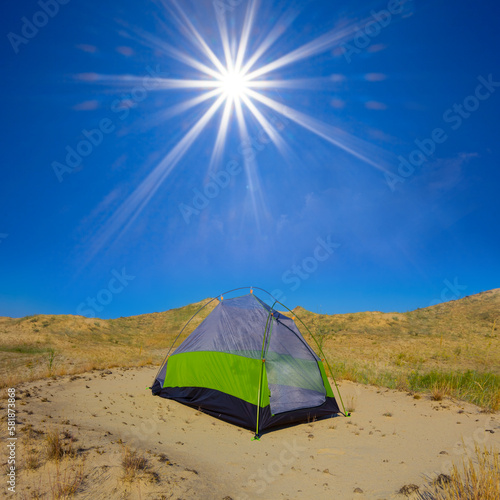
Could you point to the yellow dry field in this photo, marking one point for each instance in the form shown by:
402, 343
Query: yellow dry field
41, 346
448, 349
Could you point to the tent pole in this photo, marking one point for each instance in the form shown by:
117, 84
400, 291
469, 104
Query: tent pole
260, 375
256, 437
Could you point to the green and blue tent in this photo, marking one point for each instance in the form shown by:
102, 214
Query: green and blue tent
248, 364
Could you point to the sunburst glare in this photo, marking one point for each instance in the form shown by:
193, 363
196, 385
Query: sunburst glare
233, 84
239, 89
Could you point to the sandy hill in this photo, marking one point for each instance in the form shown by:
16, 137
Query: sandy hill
478, 313
428, 348
100, 434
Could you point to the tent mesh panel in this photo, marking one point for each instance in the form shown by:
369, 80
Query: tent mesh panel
236, 326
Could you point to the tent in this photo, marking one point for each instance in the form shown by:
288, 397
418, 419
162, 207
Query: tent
249, 365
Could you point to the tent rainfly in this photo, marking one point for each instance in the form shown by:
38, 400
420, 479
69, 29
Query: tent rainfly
249, 365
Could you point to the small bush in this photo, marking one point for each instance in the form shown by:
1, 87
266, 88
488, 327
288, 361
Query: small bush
439, 392
54, 446
50, 360
66, 483
133, 463
56, 449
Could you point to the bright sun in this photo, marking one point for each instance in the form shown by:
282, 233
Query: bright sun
237, 87
233, 84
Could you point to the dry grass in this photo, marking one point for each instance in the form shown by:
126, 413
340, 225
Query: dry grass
478, 477
32, 459
451, 348
31, 439
103, 467
439, 392
56, 448
67, 482
132, 464
45, 346
479, 387
31, 434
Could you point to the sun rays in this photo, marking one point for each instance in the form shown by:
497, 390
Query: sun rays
235, 90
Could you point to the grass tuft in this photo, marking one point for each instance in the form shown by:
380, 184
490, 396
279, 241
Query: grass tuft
56, 448
478, 477
480, 388
66, 483
33, 459
439, 392
132, 464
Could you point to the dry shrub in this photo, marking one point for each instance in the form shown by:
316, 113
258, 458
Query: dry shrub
132, 464
66, 483
439, 392
56, 449
477, 478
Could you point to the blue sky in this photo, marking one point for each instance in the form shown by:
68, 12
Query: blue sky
355, 169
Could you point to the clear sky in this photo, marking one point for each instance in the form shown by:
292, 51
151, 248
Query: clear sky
343, 155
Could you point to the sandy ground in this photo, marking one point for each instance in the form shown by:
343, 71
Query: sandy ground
391, 440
